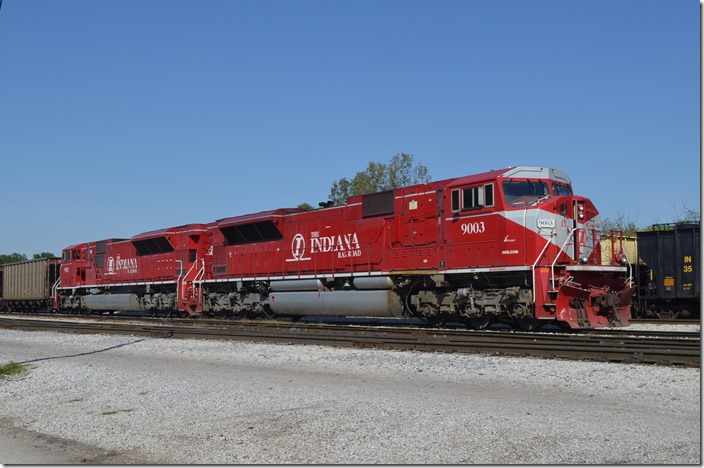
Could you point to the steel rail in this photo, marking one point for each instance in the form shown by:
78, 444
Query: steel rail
654, 321
340, 322
592, 347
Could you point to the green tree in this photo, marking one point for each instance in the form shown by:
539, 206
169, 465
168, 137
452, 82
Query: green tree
12, 258
305, 206
687, 215
43, 255
629, 227
399, 172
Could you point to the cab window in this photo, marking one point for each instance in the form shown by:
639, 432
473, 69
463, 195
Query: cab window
472, 197
561, 189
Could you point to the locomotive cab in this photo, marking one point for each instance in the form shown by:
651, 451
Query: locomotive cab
75, 263
523, 248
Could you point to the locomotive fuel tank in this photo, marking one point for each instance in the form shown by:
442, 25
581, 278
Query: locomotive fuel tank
112, 302
381, 303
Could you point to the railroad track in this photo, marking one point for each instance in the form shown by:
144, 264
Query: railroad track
667, 321
596, 345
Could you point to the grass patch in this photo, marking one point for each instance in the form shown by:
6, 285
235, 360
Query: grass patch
12, 368
108, 413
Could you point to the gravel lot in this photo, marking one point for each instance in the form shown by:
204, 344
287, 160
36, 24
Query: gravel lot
123, 399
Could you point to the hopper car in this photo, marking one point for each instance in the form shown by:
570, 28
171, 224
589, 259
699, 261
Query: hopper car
665, 261
27, 286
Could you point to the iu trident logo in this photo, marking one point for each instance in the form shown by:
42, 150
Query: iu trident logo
298, 249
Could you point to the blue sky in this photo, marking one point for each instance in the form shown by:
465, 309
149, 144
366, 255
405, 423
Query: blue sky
123, 117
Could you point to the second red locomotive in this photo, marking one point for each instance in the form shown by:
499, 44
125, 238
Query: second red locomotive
514, 245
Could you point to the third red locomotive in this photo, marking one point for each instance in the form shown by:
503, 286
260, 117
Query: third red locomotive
514, 245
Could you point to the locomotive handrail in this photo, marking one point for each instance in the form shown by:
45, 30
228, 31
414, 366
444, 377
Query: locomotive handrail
178, 280
538, 259
630, 276
198, 280
54, 292
201, 273
185, 278
562, 249
55, 286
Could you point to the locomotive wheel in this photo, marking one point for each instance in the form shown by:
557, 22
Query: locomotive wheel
527, 323
266, 312
479, 322
437, 320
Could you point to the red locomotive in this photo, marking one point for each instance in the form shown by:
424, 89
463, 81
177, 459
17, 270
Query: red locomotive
514, 245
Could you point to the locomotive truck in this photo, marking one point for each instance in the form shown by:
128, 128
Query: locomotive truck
514, 245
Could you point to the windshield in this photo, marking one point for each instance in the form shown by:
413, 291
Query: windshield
524, 192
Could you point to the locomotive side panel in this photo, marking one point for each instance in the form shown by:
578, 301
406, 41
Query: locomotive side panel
414, 230
474, 228
326, 242
119, 264
164, 255
248, 246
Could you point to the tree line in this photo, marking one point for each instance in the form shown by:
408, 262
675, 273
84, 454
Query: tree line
18, 257
629, 227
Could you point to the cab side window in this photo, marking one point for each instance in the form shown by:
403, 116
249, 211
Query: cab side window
561, 189
471, 198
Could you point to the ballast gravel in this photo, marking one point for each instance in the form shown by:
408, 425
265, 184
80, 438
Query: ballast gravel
126, 399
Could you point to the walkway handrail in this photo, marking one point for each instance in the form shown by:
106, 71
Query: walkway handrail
54, 292
545, 247
178, 280
562, 249
185, 278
